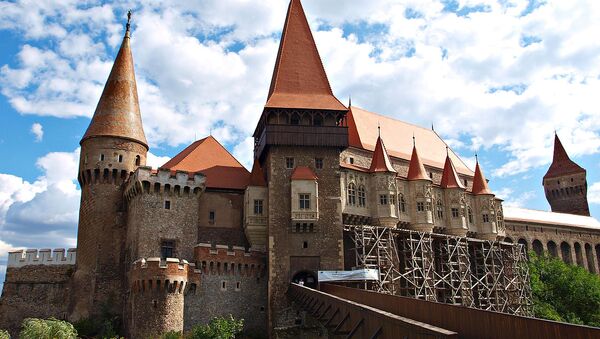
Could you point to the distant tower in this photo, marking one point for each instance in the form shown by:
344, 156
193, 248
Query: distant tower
565, 183
113, 146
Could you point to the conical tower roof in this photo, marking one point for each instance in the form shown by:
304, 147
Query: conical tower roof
381, 160
299, 78
416, 170
256, 177
561, 163
480, 185
118, 111
450, 178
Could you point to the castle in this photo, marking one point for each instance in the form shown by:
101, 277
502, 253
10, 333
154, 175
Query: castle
201, 236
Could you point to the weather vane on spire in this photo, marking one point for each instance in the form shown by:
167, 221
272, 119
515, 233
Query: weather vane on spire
128, 21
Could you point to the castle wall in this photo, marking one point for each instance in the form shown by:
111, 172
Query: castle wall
37, 284
228, 208
567, 194
288, 254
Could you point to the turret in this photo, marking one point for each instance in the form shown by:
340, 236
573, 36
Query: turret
420, 187
454, 194
384, 178
486, 205
565, 183
113, 146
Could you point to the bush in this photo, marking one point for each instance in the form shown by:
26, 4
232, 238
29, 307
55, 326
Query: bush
47, 329
172, 335
4, 334
218, 328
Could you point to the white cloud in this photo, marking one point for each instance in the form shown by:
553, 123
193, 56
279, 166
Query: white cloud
38, 131
155, 161
244, 152
594, 193
514, 200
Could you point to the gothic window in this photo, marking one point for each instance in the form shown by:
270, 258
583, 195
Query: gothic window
420, 206
383, 199
362, 196
304, 200
402, 203
289, 163
439, 209
351, 194
486, 217
167, 249
455, 213
211, 217
318, 163
470, 212
258, 207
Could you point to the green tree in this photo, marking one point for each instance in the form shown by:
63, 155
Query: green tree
47, 329
218, 328
564, 292
4, 334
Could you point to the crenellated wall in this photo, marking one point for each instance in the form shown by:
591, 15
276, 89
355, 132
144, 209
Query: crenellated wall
42, 257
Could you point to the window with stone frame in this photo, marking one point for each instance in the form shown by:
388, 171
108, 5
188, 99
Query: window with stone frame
439, 209
470, 215
319, 163
420, 206
211, 217
455, 212
402, 203
486, 217
383, 199
304, 201
167, 249
392, 199
289, 163
362, 196
258, 207
351, 194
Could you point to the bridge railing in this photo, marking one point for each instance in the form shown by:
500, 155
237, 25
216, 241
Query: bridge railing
350, 319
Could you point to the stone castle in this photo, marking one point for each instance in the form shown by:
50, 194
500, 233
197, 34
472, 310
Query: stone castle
201, 236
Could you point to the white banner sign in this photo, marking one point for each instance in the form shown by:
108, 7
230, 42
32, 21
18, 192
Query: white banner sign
356, 275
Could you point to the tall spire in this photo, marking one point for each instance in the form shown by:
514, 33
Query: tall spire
480, 185
416, 170
449, 176
299, 78
381, 160
118, 110
561, 163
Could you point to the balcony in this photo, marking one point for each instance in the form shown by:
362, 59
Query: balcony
305, 216
301, 135
256, 220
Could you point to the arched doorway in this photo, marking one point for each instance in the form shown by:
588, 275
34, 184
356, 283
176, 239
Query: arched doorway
538, 248
565, 251
306, 278
552, 248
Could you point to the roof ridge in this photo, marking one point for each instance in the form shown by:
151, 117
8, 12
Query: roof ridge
226, 150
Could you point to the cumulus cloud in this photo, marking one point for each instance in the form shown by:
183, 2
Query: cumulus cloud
514, 199
155, 161
38, 131
594, 193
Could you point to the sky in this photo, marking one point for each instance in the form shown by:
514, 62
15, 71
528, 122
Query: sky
494, 77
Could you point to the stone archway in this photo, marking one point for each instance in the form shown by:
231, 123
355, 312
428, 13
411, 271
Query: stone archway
306, 278
565, 251
589, 254
552, 249
538, 248
579, 254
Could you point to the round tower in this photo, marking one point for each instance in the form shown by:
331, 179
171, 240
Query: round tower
113, 146
156, 298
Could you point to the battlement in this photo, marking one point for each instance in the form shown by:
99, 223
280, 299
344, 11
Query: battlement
224, 260
145, 180
170, 275
42, 257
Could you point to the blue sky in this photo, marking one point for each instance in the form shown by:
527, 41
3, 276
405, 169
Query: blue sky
494, 77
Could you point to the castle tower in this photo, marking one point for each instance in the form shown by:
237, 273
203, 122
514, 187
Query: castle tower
256, 205
485, 202
385, 191
454, 194
565, 183
113, 146
420, 190
302, 130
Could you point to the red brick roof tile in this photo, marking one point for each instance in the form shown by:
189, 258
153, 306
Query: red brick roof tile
304, 173
561, 163
381, 160
416, 170
480, 185
449, 177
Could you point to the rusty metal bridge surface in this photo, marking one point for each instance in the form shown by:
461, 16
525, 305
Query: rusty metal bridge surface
354, 313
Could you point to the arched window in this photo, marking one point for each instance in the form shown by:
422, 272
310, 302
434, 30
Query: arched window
318, 120
439, 208
362, 201
401, 203
351, 194
295, 119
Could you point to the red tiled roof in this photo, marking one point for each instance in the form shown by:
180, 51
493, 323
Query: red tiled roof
304, 173
416, 170
299, 78
257, 177
480, 185
381, 161
362, 130
210, 158
354, 167
561, 163
118, 110
449, 177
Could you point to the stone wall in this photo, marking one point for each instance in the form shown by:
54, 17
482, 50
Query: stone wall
39, 291
228, 208
567, 194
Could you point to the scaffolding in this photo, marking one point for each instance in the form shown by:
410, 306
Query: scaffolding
489, 275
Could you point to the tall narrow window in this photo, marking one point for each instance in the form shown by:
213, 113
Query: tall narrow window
289, 163
318, 163
137, 160
362, 196
211, 217
304, 200
167, 249
439, 209
101, 157
351, 194
470, 212
392, 199
258, 207
120, 158
402, 203
383, 199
